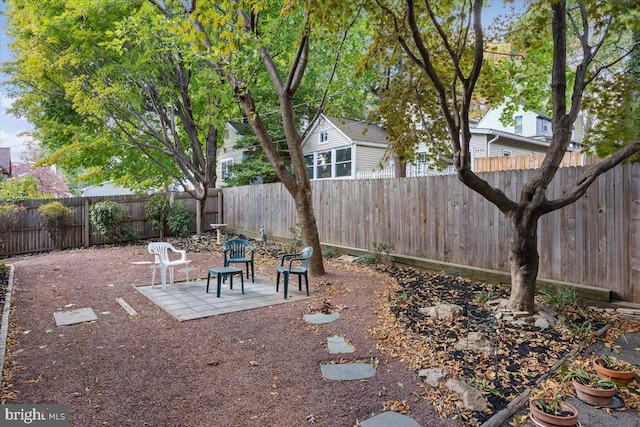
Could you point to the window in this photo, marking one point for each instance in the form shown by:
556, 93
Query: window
323, 165
343, 162
518, 127
422, 157
506, 153
336, 163
324, 136
224, 168
308, 159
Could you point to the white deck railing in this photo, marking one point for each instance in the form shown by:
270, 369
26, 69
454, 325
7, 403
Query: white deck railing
412, 171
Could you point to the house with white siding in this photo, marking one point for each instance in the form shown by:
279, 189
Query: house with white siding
227, 154
336, 148
527, 133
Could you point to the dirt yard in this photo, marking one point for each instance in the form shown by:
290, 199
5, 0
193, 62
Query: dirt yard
252, 368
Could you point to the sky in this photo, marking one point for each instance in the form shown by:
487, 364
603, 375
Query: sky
11, 127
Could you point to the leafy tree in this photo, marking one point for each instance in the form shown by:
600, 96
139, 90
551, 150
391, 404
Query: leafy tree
446, 41
16, 190
111, 93
257, 46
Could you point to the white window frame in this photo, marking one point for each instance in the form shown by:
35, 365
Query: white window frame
224, 168
314, 157
323, 137
519, 123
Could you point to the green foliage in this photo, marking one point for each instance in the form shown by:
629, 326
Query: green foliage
551, 407
157, 212
16, 190
4, 268
8, 216
109, 220
248, 170
329, 253
56, 217
296, 239
560, 298
378, 253
179, 219
578, 373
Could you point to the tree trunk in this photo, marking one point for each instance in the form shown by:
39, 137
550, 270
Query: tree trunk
200, 207
524, 260
309, 230
400, 166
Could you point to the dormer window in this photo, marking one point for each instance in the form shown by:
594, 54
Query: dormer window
518, 127
324, 137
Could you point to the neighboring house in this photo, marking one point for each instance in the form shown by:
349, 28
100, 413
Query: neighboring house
336, 148
5, 162
227, 154
528, 133
107, 188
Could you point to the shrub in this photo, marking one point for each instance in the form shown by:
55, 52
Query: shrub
179, 219
108, 220
4, 268
560, 298
157, 212
56, 218
379, 252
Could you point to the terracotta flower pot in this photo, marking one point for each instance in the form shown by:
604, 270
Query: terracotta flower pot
549, 420
618, 377
594, 396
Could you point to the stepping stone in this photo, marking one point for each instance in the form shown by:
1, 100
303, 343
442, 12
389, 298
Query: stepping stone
71, 317
390, 418
318, 318
339, 345
347, 371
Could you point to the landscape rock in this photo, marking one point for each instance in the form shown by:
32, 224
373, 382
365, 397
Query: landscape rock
432, 376
471, 398
541, 323
474, 341
443, 311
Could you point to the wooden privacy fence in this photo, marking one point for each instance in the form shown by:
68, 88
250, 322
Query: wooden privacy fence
532, 161
29, 236
595, 241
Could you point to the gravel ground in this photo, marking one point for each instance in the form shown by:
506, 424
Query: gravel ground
252, 368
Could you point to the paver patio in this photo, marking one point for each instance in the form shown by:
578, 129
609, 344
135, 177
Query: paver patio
188, 302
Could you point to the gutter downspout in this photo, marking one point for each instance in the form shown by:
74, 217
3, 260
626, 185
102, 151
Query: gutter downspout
494, 139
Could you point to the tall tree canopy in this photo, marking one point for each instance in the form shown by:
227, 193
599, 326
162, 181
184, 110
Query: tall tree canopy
242, 40
111, 92
446, 41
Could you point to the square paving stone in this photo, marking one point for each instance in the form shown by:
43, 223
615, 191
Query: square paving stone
338, 345
71, 317
347, 371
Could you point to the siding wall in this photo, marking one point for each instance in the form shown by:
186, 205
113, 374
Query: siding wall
595, 241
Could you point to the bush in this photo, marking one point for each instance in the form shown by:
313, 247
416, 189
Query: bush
379, 252
108, 220
179, 219
4, 268
157, 212
56, 218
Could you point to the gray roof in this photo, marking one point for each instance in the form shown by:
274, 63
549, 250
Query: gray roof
360, 131
240, 126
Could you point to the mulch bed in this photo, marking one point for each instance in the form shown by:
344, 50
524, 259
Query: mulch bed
259, 367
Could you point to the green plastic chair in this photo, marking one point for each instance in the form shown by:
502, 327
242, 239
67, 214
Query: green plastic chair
291, 267
239, 251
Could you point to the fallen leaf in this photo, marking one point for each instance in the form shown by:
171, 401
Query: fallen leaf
253, 363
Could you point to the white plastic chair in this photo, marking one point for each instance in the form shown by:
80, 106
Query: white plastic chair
161, 252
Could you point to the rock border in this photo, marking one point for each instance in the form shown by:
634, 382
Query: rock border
4, 330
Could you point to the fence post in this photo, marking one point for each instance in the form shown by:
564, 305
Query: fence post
220, 216
85, 224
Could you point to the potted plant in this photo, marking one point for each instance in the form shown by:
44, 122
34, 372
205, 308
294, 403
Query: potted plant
591, 389
610, 367
553, 413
